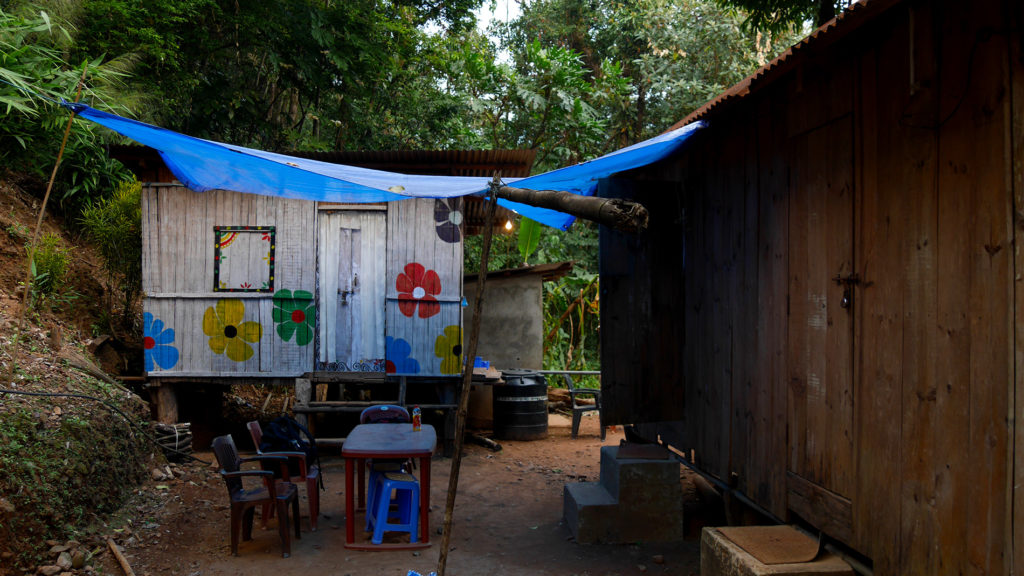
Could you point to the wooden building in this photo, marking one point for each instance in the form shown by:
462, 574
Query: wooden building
249, 288
826, 313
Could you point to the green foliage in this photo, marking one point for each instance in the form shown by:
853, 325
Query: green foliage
31, 129
784, 15
114, 225
571, 320
58, 468
291, 74
49, 264
529, 237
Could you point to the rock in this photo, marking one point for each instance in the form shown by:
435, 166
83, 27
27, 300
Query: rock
157, 474
6, 507
49, 570
78, 560
658, 559
67, 574
64, 560
641, 567
59, 548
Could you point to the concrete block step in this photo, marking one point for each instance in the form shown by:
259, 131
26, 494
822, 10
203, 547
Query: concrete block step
720, 556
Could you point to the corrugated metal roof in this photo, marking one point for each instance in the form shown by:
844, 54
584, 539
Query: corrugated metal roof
849, 20
511, 163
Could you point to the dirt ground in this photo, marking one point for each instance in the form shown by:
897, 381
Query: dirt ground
507, 521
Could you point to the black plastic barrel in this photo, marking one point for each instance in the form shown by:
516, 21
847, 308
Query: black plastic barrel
521, 406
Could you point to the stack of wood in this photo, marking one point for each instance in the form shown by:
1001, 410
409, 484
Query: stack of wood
175, 439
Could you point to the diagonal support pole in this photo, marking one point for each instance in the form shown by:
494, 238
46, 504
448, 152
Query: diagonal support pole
467, 377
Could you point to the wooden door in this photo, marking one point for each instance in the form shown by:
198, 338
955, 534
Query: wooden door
822, 291
352, 279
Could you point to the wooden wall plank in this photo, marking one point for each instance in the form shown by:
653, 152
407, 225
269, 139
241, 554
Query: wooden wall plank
973, 162
768, 436
413, 238
878, 338
1015, 539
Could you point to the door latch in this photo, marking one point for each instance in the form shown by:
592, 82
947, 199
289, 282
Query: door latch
847, 282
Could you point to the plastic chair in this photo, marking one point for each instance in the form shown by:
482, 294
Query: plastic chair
406, 518
244, 502
308, 471
577, 408
383, 414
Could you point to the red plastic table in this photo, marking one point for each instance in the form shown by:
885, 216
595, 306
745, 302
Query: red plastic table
387, 441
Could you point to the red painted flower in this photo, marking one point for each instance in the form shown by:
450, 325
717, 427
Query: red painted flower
417, 287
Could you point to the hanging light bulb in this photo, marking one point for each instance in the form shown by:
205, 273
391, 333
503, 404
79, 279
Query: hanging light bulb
508, 225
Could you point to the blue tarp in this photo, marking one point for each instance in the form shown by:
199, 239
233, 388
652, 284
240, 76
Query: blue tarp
206, 165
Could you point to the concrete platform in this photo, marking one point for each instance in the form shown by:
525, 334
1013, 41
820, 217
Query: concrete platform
720, 556
635, 500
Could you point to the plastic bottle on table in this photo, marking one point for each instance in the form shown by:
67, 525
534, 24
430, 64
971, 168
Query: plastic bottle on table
416, 419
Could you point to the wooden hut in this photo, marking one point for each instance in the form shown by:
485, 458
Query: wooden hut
250, 288
826, 315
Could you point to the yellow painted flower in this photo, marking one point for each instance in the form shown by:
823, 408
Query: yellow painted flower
448, 347
223, 324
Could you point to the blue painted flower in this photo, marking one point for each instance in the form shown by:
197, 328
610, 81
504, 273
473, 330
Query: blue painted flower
156, 344
398, 360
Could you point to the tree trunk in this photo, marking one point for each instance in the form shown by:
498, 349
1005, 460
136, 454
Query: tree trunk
623, 215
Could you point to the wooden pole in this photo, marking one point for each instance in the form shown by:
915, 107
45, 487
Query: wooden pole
624, 215
120, 558
39, 224
467, 377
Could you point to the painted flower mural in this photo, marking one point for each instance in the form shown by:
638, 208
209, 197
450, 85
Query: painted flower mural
448, 347
398, 360
156, 342
295, 315
448, 216
417, 287
228, 333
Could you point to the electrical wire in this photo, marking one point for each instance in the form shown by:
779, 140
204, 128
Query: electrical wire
111, 407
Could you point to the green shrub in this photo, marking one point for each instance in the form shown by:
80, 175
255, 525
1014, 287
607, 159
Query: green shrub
114, 224
49, 266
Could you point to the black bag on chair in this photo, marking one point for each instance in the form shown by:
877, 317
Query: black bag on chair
285, 434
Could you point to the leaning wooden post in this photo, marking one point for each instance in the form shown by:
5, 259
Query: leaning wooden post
39, 224
467, 377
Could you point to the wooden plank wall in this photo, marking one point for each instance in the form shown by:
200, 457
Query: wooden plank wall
641, 374
417, 235
929, 467
178, 255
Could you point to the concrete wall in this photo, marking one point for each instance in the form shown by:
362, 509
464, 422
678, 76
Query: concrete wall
512, 323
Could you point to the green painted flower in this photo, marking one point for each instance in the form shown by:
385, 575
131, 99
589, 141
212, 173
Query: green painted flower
448, 347
295, 315
223, 324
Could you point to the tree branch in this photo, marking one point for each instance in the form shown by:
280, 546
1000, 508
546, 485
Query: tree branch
624, 215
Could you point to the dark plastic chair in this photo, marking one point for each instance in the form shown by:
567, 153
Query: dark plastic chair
308, 471
577, 408
244, 502
384, 413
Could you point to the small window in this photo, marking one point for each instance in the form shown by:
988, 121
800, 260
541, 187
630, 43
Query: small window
243, 259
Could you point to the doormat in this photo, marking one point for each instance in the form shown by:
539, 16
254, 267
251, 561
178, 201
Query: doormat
773, 544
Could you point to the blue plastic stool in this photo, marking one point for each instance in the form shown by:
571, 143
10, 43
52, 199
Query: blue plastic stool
407, 495
378, 468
